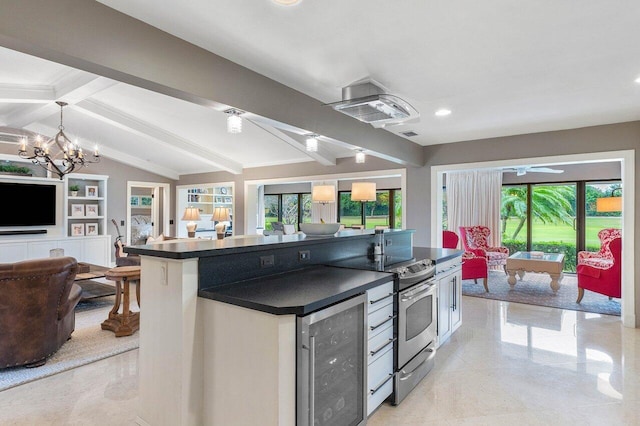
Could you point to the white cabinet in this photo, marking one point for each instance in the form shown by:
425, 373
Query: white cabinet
380, 345
85, 209
88, 249
95, 251
13, 252
449, 277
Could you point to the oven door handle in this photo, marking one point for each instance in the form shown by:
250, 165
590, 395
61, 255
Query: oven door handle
419, 293
406, 376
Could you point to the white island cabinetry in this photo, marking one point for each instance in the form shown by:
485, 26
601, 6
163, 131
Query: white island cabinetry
380, 345
449, 280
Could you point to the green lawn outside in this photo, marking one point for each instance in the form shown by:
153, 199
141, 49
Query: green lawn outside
371, 221
564, 233
345, 220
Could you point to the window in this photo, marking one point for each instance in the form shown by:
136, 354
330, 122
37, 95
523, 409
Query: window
556, 218
287, 208
514, 214
385, 211
271, 210
290, 207
553, 220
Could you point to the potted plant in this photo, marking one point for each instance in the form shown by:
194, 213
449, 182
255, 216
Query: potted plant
74, 190
11, 169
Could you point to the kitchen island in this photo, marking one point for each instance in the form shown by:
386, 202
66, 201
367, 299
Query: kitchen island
197, 353
218, 327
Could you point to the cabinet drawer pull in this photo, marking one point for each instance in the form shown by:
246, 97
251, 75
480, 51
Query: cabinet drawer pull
375, 351
381, 299
384, 382
373, 327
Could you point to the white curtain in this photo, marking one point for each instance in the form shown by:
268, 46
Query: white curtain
260, 213
473, 198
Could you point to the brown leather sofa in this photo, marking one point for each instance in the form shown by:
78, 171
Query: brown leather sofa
37, 302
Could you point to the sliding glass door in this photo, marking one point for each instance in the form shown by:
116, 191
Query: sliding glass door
553, 226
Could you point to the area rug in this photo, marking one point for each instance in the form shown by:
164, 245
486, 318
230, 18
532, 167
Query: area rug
88, 343
534, 289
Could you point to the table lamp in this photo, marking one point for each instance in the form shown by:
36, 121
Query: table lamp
363, 192
323, 194
191, 214
220, 215
612, 203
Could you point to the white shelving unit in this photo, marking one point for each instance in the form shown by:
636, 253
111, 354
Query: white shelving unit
87, 248
85, 214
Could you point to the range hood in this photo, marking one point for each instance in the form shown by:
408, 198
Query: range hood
369, 103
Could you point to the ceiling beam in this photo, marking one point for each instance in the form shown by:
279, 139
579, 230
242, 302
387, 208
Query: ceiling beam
131, 124
83, 37
321, 156
73, 87
26, 94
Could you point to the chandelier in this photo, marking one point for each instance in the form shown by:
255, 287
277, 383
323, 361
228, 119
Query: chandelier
60, 149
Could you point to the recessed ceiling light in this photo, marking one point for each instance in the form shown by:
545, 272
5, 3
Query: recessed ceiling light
637, 80
286, 2
443, 112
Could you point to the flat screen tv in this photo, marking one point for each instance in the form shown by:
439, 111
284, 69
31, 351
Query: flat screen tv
25, 204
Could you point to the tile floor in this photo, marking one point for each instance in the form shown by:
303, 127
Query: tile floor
508, 364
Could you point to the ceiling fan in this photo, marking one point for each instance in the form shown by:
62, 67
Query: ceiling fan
521, 171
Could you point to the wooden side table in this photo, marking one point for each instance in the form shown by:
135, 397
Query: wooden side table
126, 323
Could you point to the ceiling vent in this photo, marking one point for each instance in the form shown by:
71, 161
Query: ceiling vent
367, 102
409, 134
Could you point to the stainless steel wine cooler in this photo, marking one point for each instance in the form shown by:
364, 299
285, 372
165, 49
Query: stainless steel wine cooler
331, 365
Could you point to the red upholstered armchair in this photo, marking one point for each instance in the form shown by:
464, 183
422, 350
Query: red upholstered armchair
473, 266
603, 279
604, 257
475, 240
450, 239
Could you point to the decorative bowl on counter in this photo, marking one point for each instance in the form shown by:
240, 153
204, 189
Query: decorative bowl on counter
319, 228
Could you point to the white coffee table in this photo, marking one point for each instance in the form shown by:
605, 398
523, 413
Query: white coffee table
524, 261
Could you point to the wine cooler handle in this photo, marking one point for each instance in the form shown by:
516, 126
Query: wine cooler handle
312, 375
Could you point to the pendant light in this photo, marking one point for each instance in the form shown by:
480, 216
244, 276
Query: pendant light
312, 143
234, 121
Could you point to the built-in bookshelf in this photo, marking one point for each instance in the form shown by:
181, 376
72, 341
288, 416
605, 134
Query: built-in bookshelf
85, 205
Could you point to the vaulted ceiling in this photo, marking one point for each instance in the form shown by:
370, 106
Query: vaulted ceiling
502, 68
144, 129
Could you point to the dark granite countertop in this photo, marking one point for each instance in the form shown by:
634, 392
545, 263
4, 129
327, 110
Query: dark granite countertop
439, 255
297, 292
190, 248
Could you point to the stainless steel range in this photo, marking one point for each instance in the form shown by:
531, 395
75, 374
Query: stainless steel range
417, 322
416, 309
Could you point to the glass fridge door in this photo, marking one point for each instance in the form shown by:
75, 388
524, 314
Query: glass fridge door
332, 365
